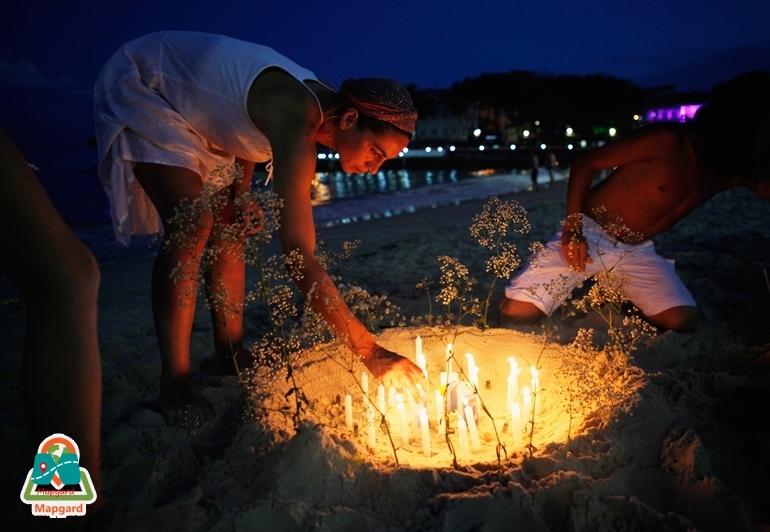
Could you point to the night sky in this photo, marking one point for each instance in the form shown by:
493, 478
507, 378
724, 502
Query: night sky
51, 52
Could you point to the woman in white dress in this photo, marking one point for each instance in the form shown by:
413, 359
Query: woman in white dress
174, 112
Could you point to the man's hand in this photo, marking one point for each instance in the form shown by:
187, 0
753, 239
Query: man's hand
394, 370
575, 249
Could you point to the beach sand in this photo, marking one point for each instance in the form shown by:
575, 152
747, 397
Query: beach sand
691, 450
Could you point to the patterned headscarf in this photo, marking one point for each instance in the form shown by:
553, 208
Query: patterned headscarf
383, 99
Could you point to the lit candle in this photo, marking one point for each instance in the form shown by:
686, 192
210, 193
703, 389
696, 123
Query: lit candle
417, 347
440, 413
470, 420
425, 432
535, 390
422, 363
513, 381
473, 370
370, 426
392, 396
534, 382
461, 428
527, 401
348, 411
365, 387
381, 398
402, 419
516, 425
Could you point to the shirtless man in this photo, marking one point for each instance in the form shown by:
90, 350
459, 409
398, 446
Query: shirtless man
662, 173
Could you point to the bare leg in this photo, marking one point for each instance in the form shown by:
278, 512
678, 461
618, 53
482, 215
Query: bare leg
225, 287
679, 319
175, 285
515, 312
59, 279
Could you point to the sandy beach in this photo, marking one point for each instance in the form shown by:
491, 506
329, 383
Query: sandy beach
689, 450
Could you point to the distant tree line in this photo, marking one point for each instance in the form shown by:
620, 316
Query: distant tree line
555, 101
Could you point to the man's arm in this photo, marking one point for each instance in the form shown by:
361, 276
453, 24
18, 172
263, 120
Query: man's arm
643, 144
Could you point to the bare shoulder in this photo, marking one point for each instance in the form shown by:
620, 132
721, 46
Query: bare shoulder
278, 102
652, 142
663, 136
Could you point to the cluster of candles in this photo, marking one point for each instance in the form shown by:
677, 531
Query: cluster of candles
453, 395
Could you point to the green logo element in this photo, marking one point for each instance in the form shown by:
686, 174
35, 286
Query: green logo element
57, 486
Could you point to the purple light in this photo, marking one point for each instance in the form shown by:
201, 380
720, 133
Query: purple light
669, 114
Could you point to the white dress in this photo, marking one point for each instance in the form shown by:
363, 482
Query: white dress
178, 99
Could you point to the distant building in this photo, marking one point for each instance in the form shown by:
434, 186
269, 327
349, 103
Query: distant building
679, 113
441, 127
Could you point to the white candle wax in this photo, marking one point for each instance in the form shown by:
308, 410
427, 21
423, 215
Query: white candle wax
417, 347
391, 396
370, 432
381, 398
402, 420
349, 411
534, 383
463, 431
422, 363
516, 425
470, 420
365, 382
527, 401
473, 370
425, 432
440, 413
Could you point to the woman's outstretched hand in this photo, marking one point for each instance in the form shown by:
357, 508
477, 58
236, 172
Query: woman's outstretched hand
394, 370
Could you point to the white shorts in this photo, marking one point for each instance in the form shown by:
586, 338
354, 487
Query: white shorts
547, 280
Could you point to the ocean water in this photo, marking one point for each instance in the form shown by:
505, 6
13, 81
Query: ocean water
337, 197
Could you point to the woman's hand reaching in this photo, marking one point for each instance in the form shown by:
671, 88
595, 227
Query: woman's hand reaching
395, 370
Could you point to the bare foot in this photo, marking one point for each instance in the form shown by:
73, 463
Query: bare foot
182, 407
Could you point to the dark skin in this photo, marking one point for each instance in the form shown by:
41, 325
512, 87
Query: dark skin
59, 279
288, 114
658, 167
